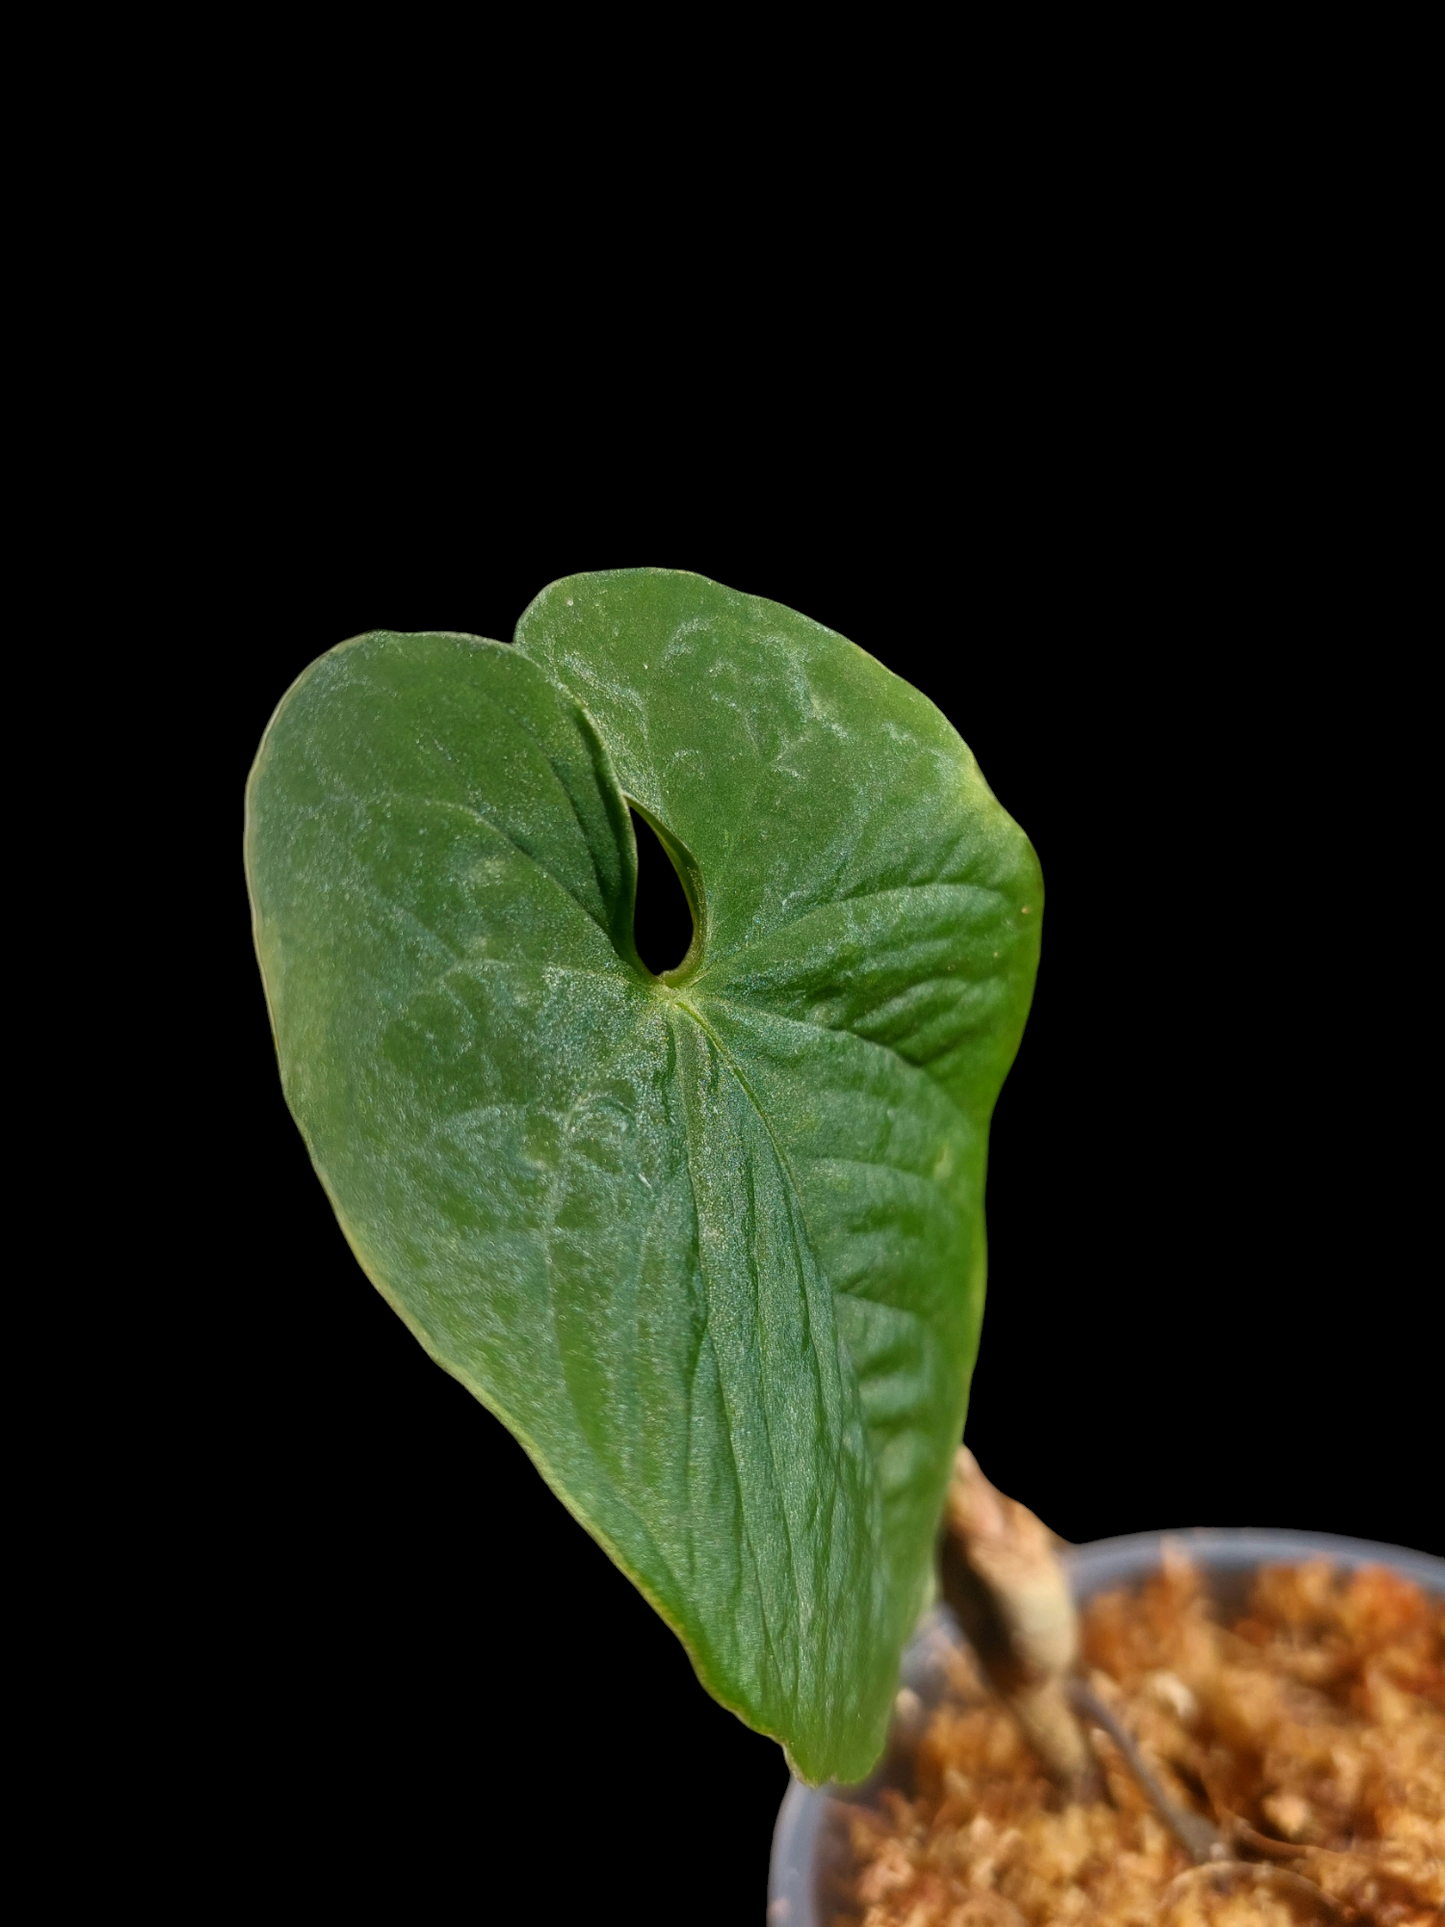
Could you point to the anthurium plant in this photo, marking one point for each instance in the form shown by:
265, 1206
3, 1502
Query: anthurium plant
710, 1243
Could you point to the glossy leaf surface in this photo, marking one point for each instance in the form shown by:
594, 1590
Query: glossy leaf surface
710, 1245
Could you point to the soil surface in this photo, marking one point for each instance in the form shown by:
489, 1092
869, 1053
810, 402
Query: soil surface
1311, 1731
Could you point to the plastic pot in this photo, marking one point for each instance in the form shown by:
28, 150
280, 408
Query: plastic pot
1228, 1559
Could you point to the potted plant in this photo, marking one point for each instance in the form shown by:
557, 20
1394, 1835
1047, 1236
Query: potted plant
708, 1240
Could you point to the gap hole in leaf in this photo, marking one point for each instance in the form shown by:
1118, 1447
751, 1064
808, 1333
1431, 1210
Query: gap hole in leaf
662, 925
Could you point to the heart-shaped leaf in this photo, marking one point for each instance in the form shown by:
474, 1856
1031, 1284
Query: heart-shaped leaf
711, 1245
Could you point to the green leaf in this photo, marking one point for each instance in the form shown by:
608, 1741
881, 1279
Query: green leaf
711, 1245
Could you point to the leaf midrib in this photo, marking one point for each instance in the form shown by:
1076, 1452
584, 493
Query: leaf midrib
796, 1201
799, 1216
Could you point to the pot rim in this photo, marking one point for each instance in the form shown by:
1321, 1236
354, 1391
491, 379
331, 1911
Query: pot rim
1092, 1567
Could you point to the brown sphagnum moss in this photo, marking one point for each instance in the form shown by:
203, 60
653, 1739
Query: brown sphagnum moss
1309, 1735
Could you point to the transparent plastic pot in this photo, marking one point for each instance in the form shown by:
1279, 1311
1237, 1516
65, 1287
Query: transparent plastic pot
804, 1842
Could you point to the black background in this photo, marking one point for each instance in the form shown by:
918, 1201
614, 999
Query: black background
1205, 1306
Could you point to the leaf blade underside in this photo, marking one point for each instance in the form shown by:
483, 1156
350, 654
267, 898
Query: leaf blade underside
711, 1246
